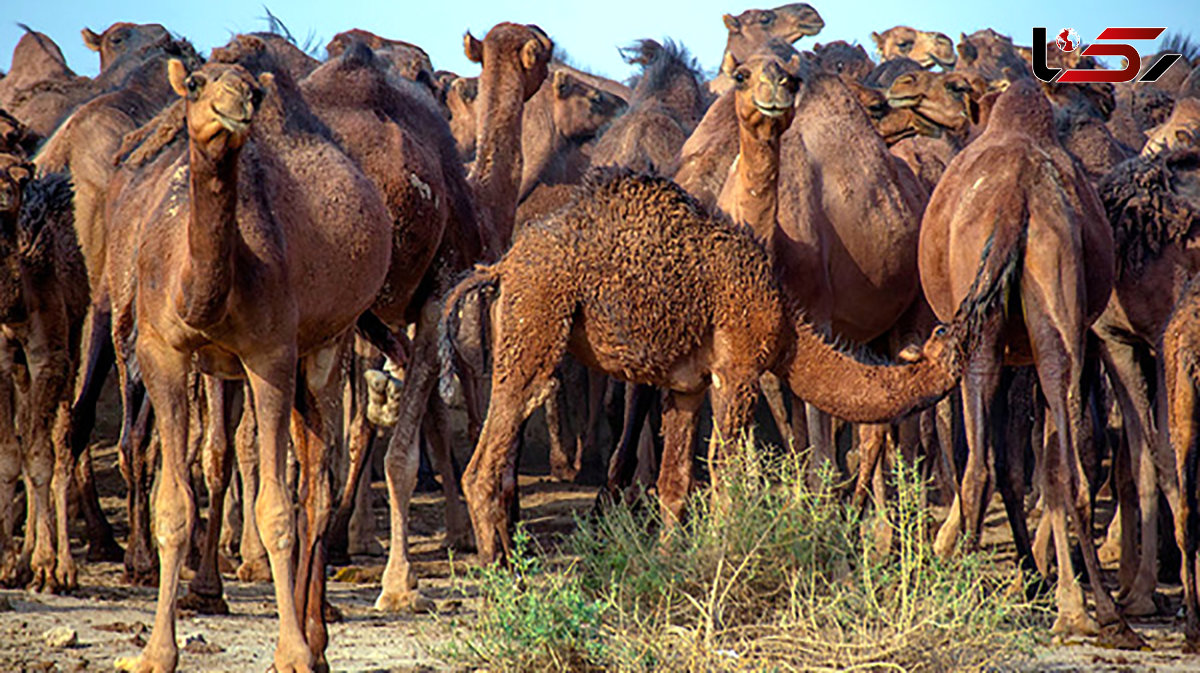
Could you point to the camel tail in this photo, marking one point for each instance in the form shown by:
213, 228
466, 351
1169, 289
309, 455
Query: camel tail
999, 269
485, 278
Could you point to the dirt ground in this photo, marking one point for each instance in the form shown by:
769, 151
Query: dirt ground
112, 619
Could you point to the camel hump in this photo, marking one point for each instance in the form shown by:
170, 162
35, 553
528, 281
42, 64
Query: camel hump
1023, 108
358, 55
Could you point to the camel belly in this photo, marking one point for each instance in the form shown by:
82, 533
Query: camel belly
687, 373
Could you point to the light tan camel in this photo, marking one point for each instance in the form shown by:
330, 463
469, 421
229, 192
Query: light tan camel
1014, 190
928, 48
751, 29
242, 214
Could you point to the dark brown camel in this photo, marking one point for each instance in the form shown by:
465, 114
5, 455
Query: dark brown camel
247, 266
404, 59
1153, 203
40, 89
1016, 189
396, 132
43, 300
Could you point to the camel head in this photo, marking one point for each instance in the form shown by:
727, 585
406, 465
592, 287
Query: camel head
925, 47
511, 49
15, 172
850, 62
220, 100
1182, 129
942, 98
460, 94
580, 109
991, 55
765, 88
754, 27
123, 38
403, 59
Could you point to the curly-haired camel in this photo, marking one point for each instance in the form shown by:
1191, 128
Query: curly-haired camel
247, 267
43, 299
928, 48
1015, 190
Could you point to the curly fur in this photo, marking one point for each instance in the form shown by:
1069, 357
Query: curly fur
1152, 204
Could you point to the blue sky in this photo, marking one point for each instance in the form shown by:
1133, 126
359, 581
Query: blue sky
589, 32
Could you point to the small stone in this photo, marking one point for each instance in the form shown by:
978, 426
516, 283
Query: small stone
198, 645
60, 637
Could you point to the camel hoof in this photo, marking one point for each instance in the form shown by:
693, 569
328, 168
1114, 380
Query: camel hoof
202, 604
408, 601
254, 570
1119, 636
1139, 606
13, 572
141, 664
107, 551
1079, 624
66, 576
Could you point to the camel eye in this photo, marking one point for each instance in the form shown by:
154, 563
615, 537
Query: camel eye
767, 17
740, 77
940, 331
904, 46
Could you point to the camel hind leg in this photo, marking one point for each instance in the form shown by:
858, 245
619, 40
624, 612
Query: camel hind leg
1183, 430
531, 326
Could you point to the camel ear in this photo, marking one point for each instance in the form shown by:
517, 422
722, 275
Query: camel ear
21, 173
911, 353
177, 73
266, 81
472, 48
878, 40
728, 65
531, 52
732, 24
90, 39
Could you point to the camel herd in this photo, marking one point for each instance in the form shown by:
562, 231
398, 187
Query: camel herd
283, 258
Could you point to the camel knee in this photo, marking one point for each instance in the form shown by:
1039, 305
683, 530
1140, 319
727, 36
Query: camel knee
174, 514
275, 521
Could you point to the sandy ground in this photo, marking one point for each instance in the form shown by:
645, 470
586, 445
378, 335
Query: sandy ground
112, 619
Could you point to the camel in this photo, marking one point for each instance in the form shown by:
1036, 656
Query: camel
755, 27
667, 104
990, 55
396, 132
244, 266
40, 88
1138, 109
404, 59
1181, 382
458, 96
1016, 190
515, 60
84, 146
44, 299
1152, 204
1181, 129
943, 111
842, 58
927, 48
288, 55
15, 137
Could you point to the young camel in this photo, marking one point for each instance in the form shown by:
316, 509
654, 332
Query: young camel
246, 267
1015, 190
43, 298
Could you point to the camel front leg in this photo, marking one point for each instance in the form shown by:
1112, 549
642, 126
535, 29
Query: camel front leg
458, 522
164, 370
255, 566
675, 477
12, 571
273, 381
1183, 430
205, 591
48, 465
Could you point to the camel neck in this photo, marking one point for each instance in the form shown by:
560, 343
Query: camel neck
841, 384
212, 229
496, 173
756, 187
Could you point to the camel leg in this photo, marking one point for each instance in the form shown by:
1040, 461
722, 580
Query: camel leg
1129, 384
1057, 338
1011, 431
136, 438
255, 566
11, 567
98, 358
675, 477
871, 439
273, 382
458, 522
624, 459
174, 505
360, 436
589, 439
205, 591
562, 464
310, 439
1183, 429
48, 467
820, 439
399, 590
732, 397
773, 394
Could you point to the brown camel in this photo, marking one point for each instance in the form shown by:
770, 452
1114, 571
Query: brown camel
42, 305
1139, 109
927, 48
403, 58
942, 111
41, 89
667, 104
1181, 355
515, 60
1181, 129
751, 29
15, 137
1153, 205
396, 132
458, 96
288, 55
1016, 189
84, 147
842, 58
248, 266
991, 55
